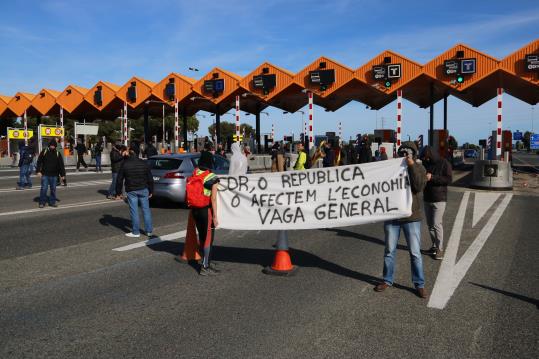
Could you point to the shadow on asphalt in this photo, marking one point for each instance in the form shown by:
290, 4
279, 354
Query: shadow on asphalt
509, 294
345, 233
264, 257
118, 222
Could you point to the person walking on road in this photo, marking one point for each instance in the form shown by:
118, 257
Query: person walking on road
81, 151
139, 187
328, 155
98, 151
116, 159
411, 226
50, 165
26, 158
439, 176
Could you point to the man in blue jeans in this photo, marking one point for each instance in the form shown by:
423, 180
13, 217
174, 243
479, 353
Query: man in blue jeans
411, 226
139, 187
50, 165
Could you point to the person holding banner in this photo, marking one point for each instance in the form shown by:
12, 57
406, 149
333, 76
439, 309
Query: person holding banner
206, 217
50, 165
411, 226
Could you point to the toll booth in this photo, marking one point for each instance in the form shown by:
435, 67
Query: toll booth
507, 145
384, 135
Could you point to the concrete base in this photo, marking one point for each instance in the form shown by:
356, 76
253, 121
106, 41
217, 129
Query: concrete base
492, 175
268, 270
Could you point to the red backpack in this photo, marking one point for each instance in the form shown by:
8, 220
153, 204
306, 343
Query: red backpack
194, 190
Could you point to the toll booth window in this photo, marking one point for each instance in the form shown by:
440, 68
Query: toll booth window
166, 164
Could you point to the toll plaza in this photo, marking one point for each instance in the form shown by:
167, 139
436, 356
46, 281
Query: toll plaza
463, 72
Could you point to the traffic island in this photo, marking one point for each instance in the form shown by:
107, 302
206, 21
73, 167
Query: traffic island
492, 175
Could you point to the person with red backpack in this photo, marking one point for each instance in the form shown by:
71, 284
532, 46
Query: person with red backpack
201, 193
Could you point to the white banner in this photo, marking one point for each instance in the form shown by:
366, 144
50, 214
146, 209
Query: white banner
315, 198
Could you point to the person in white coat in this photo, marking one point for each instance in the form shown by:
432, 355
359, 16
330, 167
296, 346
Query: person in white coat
238, 161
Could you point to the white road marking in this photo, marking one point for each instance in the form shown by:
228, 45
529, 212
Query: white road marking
69, 185
482, 203
451, 272
167, 237
83, 204
69, 174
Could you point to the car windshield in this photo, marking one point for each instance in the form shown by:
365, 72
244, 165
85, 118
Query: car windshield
165, 163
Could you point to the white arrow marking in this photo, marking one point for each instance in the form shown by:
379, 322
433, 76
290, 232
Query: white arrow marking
452, 272
482, 203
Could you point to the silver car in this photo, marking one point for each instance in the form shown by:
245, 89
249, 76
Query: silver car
170, 173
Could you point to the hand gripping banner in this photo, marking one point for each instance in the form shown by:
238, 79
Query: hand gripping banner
315, 198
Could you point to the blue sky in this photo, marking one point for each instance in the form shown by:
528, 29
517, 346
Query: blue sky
55, 43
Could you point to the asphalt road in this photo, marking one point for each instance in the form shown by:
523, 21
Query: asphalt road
66, 293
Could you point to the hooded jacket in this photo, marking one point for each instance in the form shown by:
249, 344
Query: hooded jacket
238, 161
442, 176
50, 163
417, 177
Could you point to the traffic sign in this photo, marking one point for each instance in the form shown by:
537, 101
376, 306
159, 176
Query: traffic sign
532, 63
467, 66
451, 67
517, 136
379, 72
394, 71
18, 134
52, 131
534, 141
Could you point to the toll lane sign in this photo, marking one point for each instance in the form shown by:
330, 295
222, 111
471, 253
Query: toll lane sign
18, 134
532, 63
394, 71
467, 66
51, 131
451, 67
379, 72
534, 141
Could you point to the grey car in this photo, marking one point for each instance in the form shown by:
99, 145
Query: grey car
170, 173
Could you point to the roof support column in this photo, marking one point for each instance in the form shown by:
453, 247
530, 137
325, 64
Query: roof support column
146, 124
258, 144
217, 124
184, 129
431, 126
445, 111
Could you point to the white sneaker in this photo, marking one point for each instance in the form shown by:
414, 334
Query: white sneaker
149, 234
132, 235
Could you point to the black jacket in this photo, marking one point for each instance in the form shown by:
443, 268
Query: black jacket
442, 176
417, 178
50, 163
80, 148
137, 175
116, 160
151, 151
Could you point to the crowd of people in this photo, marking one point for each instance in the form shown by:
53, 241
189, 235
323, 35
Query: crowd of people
428, 175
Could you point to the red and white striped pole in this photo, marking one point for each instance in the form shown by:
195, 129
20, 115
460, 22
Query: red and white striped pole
340, 133
62, 124
399, 117
499, 130
304, 132
272, 131
25, 129
176, 127
237, 139
311, 113
125, 131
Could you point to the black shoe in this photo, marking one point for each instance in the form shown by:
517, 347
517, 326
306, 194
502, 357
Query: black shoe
207, 271
53, 205
439, 254
431, 251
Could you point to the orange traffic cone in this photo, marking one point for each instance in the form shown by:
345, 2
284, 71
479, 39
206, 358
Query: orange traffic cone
190, 248
282, 264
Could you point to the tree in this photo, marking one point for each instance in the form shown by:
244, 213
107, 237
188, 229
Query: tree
452, 143
228, 129
526, 140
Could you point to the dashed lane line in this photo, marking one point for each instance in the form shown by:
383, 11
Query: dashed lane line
59, 208
154, 240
